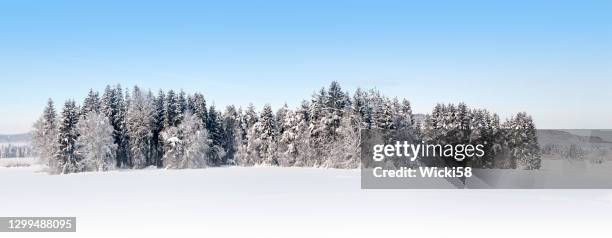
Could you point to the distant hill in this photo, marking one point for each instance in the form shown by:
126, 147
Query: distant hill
594, 145
16, 138
16, 145
578, 137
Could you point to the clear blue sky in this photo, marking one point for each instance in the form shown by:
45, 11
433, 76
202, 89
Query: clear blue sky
552, 59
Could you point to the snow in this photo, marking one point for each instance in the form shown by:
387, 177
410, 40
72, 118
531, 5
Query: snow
288, 202
17, 162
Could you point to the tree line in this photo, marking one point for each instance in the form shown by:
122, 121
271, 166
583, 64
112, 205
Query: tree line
15, 151
137, 128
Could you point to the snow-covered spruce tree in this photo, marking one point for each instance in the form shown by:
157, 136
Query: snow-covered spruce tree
215, 131
181, 107
327, 110
522, 142
44, 139
262, 139
433, 126
398, 120
407, 120
463, 118
114, 107
287, 124
95, 145
198, 107
336, 101
302, 142
231, 125
362, 109
186, 145
279, 118
251, 116
243, 155
171, 110
375, 103
316, 128
485, 130
91, 103
67, 137
140, 116
386, 119
157, 128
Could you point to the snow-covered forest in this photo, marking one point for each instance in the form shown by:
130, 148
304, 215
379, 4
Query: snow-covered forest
137, 128
15, 151
16, 146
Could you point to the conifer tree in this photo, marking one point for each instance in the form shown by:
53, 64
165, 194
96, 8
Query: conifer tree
45, 140
406, 114
181, 107
91, 103
215, 133
157, 128
231, 125
262, 140
199, 108
171, 117
67, 137
522, 142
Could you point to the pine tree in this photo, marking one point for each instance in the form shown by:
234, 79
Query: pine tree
485, 130
463, 119
261, 139
181, 107
279, 118
375, 108
123, 147
302, 150
199, 108
171, 117
386, 120
361, 109
91, 103
157, 128
215, 131
45, 140
114, 107
243, 155
407, 120
335, 103
287, 124
316, 128
231, 125
67, 137
522, 142
336, 98
251, 116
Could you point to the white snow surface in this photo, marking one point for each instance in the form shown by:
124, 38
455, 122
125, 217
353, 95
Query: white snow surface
289, 202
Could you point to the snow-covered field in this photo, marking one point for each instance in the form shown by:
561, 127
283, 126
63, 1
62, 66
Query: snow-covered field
289, 202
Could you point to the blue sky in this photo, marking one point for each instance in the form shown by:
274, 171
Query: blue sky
552, 59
